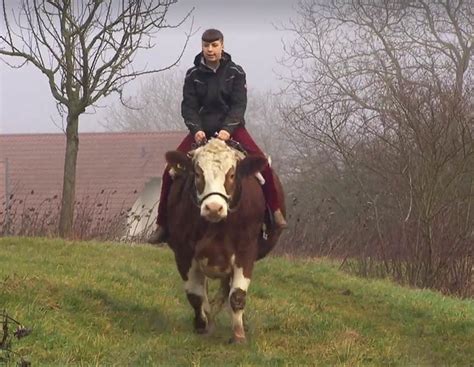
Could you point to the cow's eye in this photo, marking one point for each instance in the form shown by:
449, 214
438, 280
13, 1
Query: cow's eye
232, 176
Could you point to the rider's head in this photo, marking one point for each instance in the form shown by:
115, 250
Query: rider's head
212, 45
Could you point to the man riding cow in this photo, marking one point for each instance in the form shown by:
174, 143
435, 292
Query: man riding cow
213, 216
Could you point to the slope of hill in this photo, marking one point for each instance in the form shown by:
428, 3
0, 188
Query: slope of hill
114, 304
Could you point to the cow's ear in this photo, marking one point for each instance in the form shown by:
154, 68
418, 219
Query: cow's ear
178, 160
251, 165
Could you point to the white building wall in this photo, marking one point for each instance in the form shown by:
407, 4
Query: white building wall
142, 220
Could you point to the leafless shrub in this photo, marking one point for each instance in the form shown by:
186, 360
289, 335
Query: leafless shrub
94, 218
6, 340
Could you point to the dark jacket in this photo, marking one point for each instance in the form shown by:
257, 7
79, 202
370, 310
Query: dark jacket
214, 101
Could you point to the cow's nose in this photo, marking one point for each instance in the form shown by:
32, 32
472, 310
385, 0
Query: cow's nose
214, 208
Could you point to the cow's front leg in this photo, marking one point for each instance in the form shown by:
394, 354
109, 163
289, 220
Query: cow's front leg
196, 291
238, 291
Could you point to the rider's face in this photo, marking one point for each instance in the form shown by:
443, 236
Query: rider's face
212, 51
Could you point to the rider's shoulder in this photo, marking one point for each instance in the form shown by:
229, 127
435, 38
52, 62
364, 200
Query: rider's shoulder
235, 68
191, 71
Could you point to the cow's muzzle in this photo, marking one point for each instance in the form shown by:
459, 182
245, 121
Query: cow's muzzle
214, 210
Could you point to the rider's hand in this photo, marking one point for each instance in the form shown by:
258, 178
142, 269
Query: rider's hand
199, 136
223, 135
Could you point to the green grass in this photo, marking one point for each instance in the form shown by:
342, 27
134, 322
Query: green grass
115, 304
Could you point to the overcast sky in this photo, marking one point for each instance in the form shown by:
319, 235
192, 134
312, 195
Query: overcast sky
250, 37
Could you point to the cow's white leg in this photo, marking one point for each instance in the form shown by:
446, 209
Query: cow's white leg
196, 291
238, 291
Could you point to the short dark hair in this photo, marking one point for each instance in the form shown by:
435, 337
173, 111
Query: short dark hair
211, 35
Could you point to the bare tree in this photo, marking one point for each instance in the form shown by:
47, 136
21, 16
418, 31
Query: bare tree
385, 88
86, 51
265, 121
155, 107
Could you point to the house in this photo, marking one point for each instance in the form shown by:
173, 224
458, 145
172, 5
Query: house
118, 178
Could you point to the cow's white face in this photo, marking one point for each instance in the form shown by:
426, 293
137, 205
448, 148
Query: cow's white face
214, 169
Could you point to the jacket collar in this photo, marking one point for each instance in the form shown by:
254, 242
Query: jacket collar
199, 63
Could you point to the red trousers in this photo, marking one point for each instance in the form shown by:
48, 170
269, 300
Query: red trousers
243, 137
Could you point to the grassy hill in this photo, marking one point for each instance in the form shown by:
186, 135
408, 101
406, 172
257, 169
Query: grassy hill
115, 304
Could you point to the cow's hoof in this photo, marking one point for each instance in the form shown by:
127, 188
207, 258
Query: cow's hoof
202, 331
201, 326
207, 330
238, 340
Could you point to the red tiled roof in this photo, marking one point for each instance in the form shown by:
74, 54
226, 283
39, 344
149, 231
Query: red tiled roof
122, 162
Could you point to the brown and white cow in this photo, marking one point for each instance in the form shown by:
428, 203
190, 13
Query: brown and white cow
216, 210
